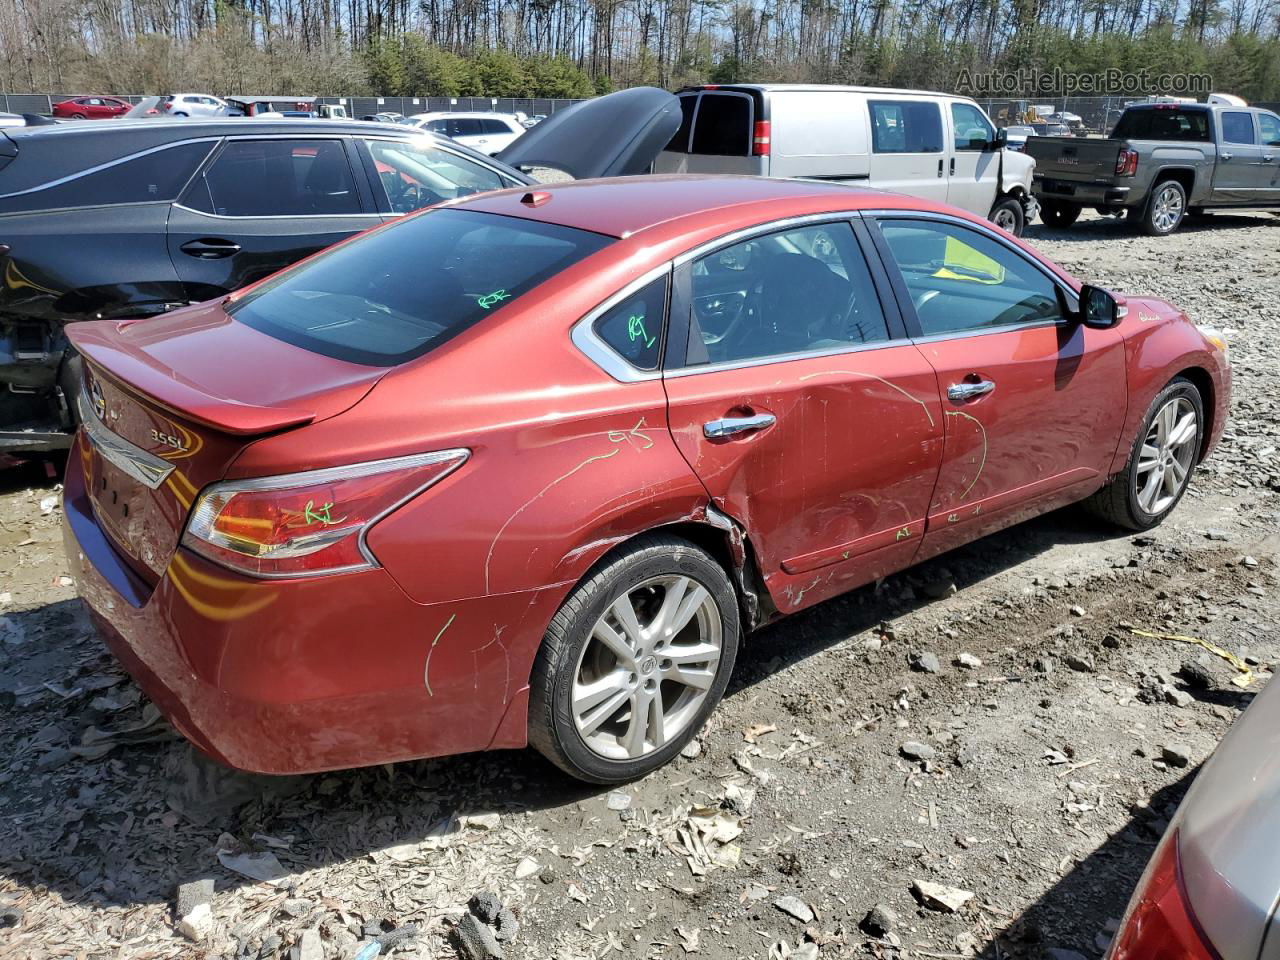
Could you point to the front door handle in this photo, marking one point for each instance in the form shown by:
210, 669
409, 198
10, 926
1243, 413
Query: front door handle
733, 426
1268, 157
959, 392
210, 248
939, 166
1225, 156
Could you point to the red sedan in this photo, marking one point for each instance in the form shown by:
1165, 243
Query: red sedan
91, 108
526, 467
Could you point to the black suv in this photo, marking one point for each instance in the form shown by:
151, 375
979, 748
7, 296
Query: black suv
133, 218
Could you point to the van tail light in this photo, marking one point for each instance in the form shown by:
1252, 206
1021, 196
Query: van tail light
1159, 924
305, 524
1127, 163
760, 139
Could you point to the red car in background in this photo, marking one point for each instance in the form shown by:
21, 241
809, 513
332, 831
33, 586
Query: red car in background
91, 108
526, 467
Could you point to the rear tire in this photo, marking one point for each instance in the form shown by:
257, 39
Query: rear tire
1165, 209
78, 116
1008, 215
1160, 463
600, 669
1059, 215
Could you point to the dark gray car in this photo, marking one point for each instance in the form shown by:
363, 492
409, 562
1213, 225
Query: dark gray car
135, 218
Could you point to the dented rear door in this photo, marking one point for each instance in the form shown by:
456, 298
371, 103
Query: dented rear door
802, 409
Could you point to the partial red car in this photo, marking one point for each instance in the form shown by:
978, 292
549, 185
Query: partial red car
91, 108
526, 467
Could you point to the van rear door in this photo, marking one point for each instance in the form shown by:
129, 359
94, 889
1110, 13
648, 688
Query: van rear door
716, 135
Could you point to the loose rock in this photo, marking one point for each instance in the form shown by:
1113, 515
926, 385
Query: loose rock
935, 896
914, 750
477, 941
795, 907
880, 921
925, 662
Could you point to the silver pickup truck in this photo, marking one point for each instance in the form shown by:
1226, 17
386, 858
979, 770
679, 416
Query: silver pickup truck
1162, 162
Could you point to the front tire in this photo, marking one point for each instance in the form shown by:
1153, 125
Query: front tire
1059, 215
1160, 463
1008, 215
634, 661
1165, 209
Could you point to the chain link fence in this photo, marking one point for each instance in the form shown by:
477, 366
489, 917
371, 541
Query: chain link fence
1097, 114
42, 103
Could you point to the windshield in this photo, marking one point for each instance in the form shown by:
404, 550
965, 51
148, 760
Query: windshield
1163, 123
402, 290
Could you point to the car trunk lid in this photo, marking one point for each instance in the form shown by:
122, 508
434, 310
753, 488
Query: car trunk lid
616, 135
169, 403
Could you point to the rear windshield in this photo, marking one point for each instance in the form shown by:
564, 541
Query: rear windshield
397, 293
1161, 123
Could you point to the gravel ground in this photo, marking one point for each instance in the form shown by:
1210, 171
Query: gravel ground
1033, 772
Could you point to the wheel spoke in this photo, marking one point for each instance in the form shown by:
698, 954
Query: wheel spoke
1184, 431
662, 624
692, 653
698, 678
1148, 457
614, 641
637, 730
693, 600
657, 734
1179, 472
590, 722
588, 695
1163, 422
625, 613
1146, 499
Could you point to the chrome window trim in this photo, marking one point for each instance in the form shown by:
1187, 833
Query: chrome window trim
785, 358
774, 226
130, 459
371, 215
599, 352
115, 163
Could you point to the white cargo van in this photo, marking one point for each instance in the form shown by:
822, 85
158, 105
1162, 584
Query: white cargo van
932, 145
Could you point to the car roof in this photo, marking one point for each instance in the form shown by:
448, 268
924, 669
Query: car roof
464, 114
823, 88
62, 150
625, 206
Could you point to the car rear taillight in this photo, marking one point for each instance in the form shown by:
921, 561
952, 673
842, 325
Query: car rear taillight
760, 139
1159, 924
1127, 163
304, 524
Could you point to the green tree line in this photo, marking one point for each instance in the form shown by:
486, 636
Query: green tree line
575, 48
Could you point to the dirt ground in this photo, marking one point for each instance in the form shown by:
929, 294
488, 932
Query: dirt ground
1052, 765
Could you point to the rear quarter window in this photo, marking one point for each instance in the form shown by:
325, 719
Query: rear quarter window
397, 293
156, 176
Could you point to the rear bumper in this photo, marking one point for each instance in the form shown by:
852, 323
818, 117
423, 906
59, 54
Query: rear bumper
1085, 193
307, 675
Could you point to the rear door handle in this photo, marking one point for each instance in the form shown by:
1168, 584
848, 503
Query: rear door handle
733, 426
1225, 156
1268, 157
959, 392
210, 248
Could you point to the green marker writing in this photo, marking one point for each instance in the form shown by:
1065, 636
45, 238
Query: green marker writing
635, 329
492, 299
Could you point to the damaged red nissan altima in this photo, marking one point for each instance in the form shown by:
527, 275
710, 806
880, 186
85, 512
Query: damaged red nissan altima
526, 467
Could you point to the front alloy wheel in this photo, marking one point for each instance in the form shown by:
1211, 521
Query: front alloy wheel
1166, 456
634, 661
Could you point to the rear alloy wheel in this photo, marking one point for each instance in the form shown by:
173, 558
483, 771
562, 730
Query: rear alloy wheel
634, 662
1008, 215
1161, 462
1059, 215
1165, 209
78, 116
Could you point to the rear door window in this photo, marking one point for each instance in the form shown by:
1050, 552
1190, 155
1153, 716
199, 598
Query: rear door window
1160, 123
1237, 127
277, 178
466, 127
155, 176
495, 126
722, 126
402, 290
905, 126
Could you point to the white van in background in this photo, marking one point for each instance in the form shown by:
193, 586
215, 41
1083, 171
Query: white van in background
932, 145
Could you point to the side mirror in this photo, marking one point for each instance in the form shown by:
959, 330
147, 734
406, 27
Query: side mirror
1000, 141
1100, 308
